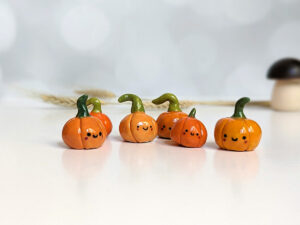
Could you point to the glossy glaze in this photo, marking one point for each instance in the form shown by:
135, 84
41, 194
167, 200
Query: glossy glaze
137, 126
83, 131
97, 112
189, 132
166, 120
237, 133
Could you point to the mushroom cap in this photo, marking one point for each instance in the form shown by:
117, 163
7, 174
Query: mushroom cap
287, 68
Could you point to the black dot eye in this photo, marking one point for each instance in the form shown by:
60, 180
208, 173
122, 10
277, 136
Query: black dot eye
170, 128
197, 134
164, 126
100, 133
244, 137
186, 130
88, 134
138, 126
150, 126
225, 135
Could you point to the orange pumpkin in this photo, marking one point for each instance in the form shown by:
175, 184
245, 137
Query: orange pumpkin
97, 112
189, 131
166, 120
137, 126
83, 131
238, 133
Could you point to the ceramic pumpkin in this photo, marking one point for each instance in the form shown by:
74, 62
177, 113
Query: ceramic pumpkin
97, 112
189, 131
238, 133
166, 120
137, 126
83, 131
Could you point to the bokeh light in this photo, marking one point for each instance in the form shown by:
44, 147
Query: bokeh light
237, 82
7, 27
247, 11
85, 27
285, 40
199, 52
178, 2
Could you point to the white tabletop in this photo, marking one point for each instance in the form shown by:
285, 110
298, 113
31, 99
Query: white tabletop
158, 183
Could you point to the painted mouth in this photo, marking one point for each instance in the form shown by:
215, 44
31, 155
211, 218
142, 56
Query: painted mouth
95, 136
192, 134
145, 128
234, 139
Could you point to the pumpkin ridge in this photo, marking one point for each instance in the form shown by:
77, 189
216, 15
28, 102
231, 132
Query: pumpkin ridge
81, 138
226, 122
130, 128
185, 119
250, 134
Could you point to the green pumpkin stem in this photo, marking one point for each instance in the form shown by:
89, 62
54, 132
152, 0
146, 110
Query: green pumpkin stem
172, 99
96, 105
137, 104
239, 108
192, 113
81, 105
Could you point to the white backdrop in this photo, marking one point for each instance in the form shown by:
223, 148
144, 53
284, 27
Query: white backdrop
219, 48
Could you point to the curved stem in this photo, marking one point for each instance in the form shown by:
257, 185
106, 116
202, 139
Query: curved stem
137, 104
81, 105
239, 107
96, 105
172, 99
192, 113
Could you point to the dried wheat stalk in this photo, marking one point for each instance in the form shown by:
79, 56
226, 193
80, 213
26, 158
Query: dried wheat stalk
96, 93
188, 103
71, 102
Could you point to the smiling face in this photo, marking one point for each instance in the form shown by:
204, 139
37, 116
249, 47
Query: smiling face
138, 127
237, 134
143, 127
166, 121
93, 132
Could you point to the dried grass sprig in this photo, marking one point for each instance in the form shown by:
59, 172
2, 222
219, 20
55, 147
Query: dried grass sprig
188, 103
96, 93
71, 101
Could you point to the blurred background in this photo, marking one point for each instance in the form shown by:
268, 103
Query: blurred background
202, 48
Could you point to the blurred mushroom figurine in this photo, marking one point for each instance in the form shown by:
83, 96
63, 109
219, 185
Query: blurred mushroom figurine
137, 126
286, 92
166, 120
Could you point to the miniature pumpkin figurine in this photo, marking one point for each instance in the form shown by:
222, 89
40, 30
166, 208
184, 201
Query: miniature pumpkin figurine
238, 133
189, 131
83, 131
137, 126
97, 112
166, 120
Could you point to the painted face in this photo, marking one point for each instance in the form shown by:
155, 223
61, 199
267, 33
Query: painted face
166, 121
92, 134
236, 137
143, 127
192, 133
